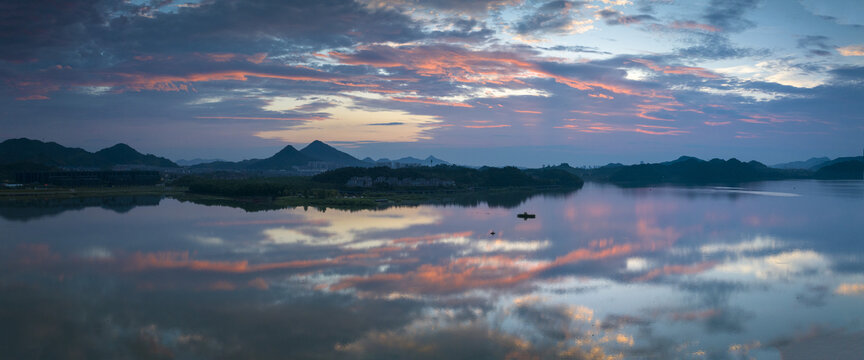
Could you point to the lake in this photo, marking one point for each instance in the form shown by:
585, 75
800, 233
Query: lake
767, 270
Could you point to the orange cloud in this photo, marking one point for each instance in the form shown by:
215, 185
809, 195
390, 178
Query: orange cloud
528, 111
139, 82
467, 273
463, 65
850, 289
717, 123
851, 50
32, 97
182, 260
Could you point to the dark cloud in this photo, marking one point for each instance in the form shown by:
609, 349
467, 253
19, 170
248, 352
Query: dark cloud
478, 7
820, 342
614, 17
816, 45
466, 30
647, 6
27, 28
552, 17
717, 47
265, 23
114, 30
729, 14
616, 322
849, 73
37, 323
813, 295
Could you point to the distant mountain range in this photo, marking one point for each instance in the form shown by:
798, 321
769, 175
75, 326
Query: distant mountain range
23, 154
315, 157
428, 161
691, 170
14, 151
806, 165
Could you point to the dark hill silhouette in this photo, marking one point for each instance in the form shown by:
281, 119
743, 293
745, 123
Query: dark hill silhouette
125, 154
690, 170
284, 159
25, 150
849, 169
320, 151
37, 152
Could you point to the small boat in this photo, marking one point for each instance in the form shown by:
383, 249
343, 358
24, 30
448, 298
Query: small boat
526, 216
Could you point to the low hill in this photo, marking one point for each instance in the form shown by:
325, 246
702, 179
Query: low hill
844, 170
320, 151
52, 154
125, 154
690, 170
286, 158
25, 150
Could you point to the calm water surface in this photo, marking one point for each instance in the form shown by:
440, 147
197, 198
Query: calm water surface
768, 271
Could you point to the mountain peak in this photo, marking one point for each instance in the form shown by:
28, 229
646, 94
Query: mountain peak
287, 150
119, 148
318, 145
321, 151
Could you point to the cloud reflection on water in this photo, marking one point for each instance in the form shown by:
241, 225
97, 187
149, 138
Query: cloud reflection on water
605, 273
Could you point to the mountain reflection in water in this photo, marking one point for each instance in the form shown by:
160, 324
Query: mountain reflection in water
605, 272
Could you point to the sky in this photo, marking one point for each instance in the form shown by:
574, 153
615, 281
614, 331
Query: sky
489, 82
